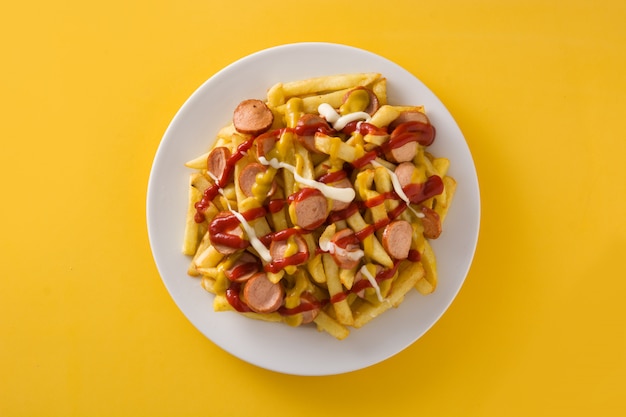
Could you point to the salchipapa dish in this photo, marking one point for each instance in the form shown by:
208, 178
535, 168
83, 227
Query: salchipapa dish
317, 205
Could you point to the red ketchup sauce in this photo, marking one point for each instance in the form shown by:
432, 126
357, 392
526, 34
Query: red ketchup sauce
243, 269
422, 133
233, 298
277, 265
383, 275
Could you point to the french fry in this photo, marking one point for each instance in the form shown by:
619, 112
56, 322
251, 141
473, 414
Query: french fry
336, 148
191, 237
443, 202
331, 326
198, 162
316, 269
342, 309
371, 246
406, 280
328, 83
430, 268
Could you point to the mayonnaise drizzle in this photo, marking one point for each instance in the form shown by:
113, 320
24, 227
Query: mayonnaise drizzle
398, 188
345, 195
372, 281
339, 122
252, 237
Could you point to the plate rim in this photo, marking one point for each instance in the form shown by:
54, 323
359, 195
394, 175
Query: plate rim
191, 101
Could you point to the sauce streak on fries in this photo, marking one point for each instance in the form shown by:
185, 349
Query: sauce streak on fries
317, 205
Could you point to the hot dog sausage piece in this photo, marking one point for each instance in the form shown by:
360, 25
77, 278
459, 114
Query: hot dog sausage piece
247, 179
309, 300
402, 153
265, 143
306, 127
278, 249
372, 104
311, 210
345, 249
404, 172
396, 239
261, 294
243, 268
409, 116
217, 161
341, 205
227, 237
431, 223
253, 117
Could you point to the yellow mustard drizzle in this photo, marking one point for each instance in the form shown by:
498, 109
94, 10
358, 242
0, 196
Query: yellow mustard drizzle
293, 111
292, 298
263, 183
358, 100
335, 143
221, 282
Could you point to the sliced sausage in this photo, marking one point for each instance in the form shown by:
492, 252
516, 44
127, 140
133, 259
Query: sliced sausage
396, 239
226, 234
431, 223
409, 116
278, 248
252, 116
262, 295
341, 205
359, 277
310, 210
313, 307
265, 143
247, 179
243, 268
402, 153
372, 105
346, 249
306, 127
404, 172
217, 161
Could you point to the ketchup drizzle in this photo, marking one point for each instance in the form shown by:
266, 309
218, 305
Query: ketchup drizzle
233, 298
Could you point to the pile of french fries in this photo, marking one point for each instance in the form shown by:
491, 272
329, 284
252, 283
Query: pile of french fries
320, 276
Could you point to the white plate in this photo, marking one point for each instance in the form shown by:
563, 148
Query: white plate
278, 347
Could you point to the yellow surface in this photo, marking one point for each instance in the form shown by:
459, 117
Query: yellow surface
87, 327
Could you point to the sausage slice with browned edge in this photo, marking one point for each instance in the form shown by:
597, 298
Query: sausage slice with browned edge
226, 237
408, 116
243, 268
306, 127
265, 143
404, 172
217, 161
253, 117
403, 153
372, 102
262, 295
431, 223
278, 248
313, 307
346, 248
397, 239
341, 205
247, 179
311, 210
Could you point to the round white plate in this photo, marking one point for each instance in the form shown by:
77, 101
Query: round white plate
275, 346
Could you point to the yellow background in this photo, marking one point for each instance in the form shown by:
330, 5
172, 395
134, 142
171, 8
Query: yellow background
88, 88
